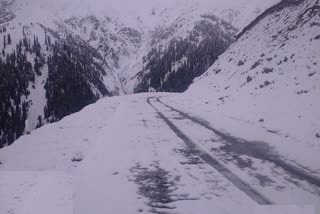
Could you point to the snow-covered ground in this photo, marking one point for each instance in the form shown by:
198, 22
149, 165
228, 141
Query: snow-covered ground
31, 192
245, 134
120, 156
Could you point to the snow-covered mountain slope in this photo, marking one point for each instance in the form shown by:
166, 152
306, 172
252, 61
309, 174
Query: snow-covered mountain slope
124, 32
148, 13
180, 31
269, 81
174, 61
47, 74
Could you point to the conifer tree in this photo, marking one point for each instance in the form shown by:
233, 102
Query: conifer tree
4, 41
9, 39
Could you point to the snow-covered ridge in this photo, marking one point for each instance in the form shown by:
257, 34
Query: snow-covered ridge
273, 9
149, 12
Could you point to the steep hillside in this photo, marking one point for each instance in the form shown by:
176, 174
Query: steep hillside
185, 43
47, 74
268, 79
173, 67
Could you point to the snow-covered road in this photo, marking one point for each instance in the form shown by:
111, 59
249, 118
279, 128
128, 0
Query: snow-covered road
139, 154
256, 163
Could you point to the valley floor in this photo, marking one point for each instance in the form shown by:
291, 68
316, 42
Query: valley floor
156, 153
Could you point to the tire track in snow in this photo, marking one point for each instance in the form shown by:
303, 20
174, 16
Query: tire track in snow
256, 152
239, 183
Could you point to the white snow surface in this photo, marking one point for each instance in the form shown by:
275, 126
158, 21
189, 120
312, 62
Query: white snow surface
115, 155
